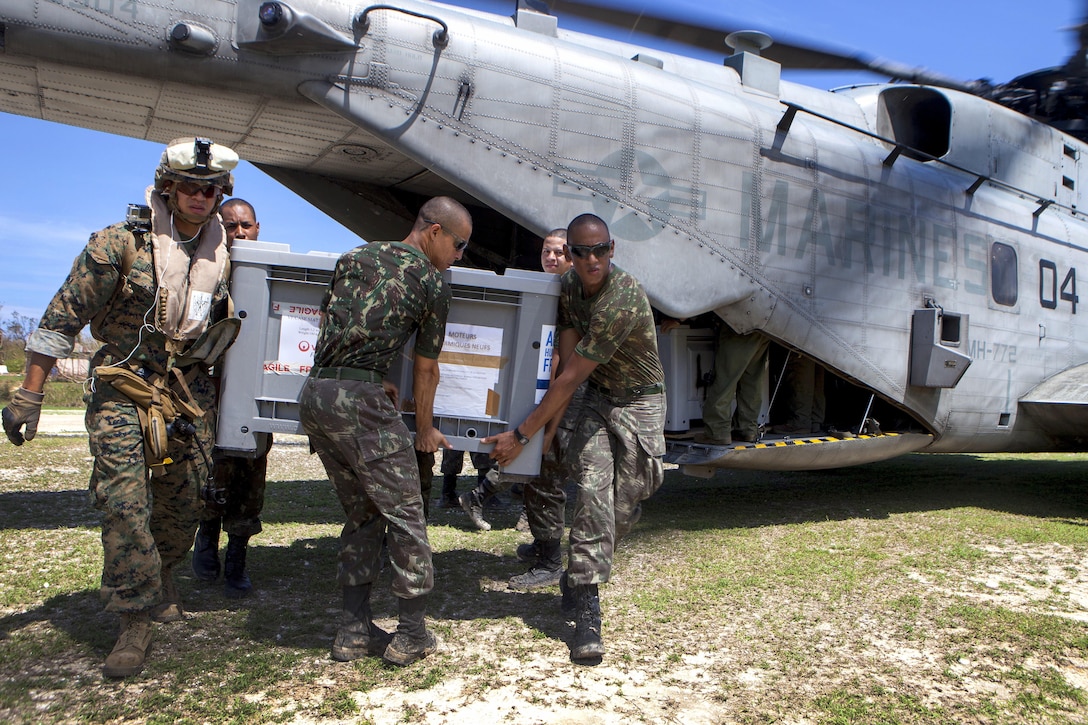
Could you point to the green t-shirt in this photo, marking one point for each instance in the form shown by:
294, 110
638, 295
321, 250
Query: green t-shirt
617, 329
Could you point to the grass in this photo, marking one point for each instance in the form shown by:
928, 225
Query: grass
58, 393
929, 589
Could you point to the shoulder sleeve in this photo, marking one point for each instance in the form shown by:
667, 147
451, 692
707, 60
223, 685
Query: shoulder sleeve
432, 326
91, 282
563, 320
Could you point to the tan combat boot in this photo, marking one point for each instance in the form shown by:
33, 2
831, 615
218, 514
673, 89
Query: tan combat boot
133, 644
169, 609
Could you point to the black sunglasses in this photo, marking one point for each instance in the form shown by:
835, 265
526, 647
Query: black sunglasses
582, 251
190, 189
458, 243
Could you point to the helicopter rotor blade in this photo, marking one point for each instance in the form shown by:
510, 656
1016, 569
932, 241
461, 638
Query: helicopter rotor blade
785, 51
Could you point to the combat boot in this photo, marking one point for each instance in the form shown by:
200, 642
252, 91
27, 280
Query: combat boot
587, 646
568, 605
358, 636
546, 571
133, 644
169, 609
412, 640
206, 551
530, 553
473, 504
236, 580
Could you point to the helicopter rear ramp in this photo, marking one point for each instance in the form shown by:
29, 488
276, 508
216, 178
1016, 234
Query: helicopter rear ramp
793, 454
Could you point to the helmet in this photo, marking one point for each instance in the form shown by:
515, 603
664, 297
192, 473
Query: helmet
199, 160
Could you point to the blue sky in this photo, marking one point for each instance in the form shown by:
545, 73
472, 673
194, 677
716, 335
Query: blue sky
58, 184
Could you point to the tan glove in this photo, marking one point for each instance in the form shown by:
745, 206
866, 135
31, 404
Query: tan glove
213, 343
25, 408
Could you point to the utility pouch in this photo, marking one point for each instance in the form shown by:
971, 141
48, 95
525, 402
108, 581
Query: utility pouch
157, 405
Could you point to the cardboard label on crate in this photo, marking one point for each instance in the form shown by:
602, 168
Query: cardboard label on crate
299, 324
469, 371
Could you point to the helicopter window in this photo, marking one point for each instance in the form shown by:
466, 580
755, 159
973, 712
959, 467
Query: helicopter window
1003, 274
917, 118
1070, 151
1067, 182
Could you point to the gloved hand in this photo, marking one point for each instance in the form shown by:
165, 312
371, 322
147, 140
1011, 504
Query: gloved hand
213, 343
25, 408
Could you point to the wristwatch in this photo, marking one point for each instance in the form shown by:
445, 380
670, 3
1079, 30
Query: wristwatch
522, 438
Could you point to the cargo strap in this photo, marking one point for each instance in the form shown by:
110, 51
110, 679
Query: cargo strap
360, 374
634, 392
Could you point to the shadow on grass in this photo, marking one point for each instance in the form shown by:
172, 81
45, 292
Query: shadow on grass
47, 510
78, 615
1049, 489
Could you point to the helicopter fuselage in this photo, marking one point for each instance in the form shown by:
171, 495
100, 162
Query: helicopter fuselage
921, 243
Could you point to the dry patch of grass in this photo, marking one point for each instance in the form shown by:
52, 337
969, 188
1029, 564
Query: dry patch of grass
930, 589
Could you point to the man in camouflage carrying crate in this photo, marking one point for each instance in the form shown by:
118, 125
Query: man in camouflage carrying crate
154, 290
607, 338
380, 294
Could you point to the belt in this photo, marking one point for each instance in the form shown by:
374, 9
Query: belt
366, 376
634, 392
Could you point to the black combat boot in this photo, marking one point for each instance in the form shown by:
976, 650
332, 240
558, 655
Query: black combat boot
568, 605
587, 647
236, 580
412, 640
206, 551
547, 569
530, 553
358, 636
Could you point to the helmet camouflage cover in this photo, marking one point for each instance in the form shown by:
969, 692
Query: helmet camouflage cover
197, 160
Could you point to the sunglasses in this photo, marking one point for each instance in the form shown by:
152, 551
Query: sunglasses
208, 191
459, 244
582, 251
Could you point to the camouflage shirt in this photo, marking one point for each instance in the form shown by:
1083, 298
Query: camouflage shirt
617, 329
116, 309
379, 295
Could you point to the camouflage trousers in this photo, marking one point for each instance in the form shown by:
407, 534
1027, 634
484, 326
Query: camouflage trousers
546, 496
368, 455
244, 480
616, 451
425, 464
148, 520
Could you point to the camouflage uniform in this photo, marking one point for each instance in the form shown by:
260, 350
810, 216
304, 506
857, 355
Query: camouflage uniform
148, 521
619, 440
546, 496
740, 374
244, 480
380, 294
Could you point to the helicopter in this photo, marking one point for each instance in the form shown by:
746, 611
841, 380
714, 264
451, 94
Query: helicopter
919, 240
